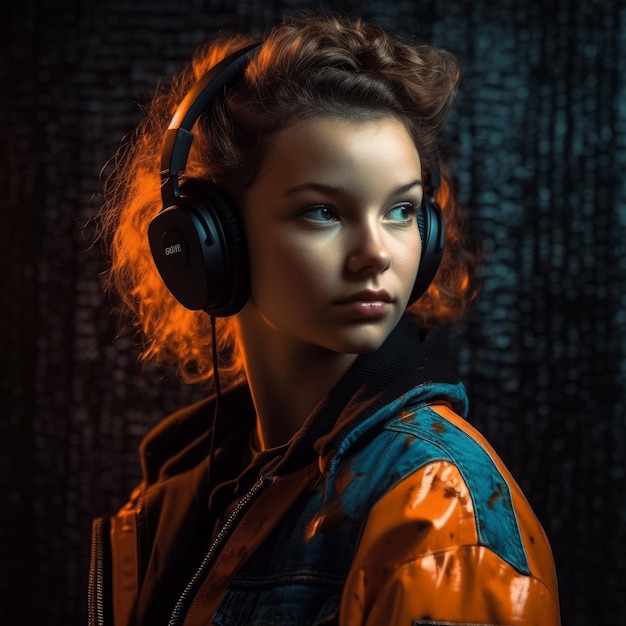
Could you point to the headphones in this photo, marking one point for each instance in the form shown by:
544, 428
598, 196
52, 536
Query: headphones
197, 241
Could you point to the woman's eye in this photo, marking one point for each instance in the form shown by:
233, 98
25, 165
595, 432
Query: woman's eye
404, 212
320, 213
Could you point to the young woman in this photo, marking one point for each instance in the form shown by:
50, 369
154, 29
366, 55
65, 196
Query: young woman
278, 234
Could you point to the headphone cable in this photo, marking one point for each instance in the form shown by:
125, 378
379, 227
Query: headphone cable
218, 397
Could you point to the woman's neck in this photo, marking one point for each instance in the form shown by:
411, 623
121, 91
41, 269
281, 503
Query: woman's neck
287, 379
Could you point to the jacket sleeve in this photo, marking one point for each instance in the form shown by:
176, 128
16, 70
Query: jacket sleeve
419, 561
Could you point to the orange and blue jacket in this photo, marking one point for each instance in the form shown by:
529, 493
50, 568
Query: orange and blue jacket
388, 508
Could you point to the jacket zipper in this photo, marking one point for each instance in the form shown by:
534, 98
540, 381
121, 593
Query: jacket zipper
96, 574
218, 543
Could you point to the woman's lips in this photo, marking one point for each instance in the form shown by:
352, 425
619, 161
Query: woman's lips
367, 304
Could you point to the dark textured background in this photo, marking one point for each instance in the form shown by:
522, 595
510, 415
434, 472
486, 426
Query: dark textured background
538, 142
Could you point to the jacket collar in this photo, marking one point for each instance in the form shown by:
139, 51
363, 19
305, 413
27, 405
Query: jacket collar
409, 358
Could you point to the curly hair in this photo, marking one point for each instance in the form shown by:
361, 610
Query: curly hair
307, 66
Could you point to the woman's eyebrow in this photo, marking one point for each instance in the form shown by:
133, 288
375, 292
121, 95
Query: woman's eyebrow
404, 188
313, 186
336, 190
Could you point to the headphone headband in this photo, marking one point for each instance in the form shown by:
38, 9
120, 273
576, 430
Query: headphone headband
178, 136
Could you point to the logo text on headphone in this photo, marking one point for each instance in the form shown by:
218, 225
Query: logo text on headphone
173, 249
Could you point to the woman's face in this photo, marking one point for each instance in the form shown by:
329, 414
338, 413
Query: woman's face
332, 234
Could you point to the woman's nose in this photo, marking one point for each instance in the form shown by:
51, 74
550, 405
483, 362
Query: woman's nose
369, 252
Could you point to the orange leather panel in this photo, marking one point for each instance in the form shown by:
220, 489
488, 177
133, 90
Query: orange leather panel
419, 559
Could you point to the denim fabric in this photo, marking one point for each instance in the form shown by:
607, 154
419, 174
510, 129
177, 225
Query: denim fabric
296, 577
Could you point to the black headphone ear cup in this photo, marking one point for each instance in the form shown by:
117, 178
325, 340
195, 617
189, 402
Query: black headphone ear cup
431, 229
200, 252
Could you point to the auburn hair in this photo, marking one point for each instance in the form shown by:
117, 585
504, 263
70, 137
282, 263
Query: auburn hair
307, 66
